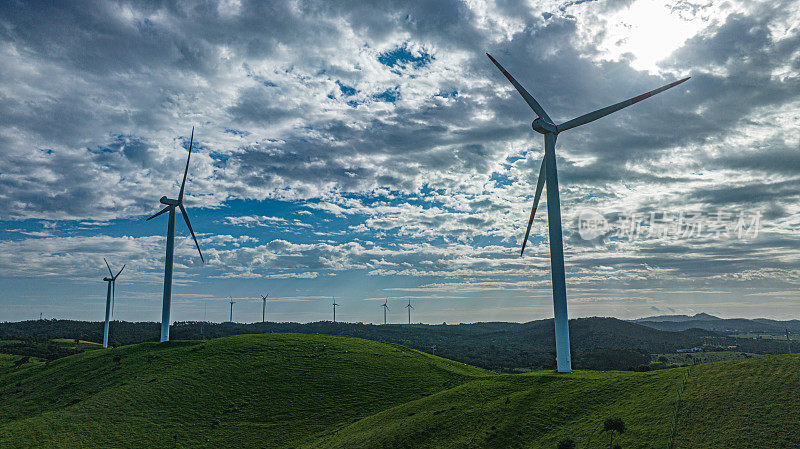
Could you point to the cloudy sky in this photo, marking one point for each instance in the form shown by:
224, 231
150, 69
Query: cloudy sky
366, 151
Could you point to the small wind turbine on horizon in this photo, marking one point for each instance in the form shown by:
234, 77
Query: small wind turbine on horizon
171, 204
232, 303
110, 294
385, 308
334, 309
409, 307
264, 308
544, 125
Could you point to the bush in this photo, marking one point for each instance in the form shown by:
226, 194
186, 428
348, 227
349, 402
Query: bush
566, 444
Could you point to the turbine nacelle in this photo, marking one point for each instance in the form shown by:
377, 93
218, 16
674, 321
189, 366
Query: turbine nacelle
107, 279
168, 201
542, 126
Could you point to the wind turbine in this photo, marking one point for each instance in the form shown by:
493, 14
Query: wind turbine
110, 293
409, 307
232, 303
543, 124
385, 308
264, 308
170, 207
334, 309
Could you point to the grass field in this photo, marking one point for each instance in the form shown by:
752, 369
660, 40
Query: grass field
687, 358
8, 362
305, 390
80, 343
780, 336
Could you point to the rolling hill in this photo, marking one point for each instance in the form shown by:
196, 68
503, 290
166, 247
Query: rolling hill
306, 390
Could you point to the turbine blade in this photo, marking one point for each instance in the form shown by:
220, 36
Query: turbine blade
186, 217
109, 267
159, 213
185, 172
120, 271
600, 113
539, 186
537, 108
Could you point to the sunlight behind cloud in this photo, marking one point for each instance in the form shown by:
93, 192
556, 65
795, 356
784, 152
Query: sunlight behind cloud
650, 31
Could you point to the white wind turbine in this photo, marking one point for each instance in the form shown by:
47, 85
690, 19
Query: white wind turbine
385, 308
170, 207
110, 294
409, 307
543, 124
334, 309
264, 308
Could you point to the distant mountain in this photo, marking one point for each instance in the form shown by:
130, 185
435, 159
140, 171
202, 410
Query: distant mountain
677, 323
678, 318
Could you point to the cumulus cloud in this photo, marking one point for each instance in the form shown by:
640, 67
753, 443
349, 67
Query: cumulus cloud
390, 134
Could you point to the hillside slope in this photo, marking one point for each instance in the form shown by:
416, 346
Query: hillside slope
748, 403
525, 411
742, 404
305, 390
273, 390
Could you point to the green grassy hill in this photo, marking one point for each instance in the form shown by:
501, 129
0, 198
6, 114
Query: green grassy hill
245, 391
305, 390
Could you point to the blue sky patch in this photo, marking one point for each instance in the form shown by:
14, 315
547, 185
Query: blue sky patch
404, 57
389, 95
347, 91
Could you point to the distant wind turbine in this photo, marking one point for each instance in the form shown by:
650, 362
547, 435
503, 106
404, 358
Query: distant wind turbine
171, 205
385, 308
264, 308
334, 309
543, 124
110, 293
409, 307
232, 303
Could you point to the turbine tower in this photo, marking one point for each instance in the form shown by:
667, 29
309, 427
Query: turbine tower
385, 308
334, 309
409, 307
264, 308
110, 293
544, 125
171, 204
232, 303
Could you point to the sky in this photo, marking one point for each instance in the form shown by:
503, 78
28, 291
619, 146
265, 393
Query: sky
370, 150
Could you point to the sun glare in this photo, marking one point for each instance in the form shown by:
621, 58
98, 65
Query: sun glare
650, 31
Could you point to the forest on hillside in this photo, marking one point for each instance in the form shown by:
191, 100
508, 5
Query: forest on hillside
597, 343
